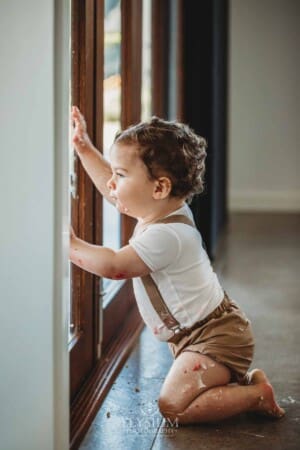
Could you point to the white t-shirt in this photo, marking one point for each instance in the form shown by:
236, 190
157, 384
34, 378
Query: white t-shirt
182, 272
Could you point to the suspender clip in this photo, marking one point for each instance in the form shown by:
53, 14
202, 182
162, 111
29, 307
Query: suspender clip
177, 329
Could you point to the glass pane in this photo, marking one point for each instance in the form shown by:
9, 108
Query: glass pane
73, 197
146, 61
71, 315
112, 115
73, 308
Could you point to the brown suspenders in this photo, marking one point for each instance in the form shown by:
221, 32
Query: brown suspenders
152, 290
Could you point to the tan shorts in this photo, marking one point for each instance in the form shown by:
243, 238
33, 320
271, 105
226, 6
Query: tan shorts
227, 338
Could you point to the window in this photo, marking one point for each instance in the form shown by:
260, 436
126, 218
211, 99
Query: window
119, 76
103, 315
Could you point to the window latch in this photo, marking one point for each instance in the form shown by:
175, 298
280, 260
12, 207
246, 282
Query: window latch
73, 184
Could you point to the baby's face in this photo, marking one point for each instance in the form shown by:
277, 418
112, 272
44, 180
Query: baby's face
130, 184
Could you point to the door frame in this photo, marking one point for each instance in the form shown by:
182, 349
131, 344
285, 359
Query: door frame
61, 282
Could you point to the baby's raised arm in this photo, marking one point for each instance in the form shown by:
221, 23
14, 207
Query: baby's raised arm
96, 166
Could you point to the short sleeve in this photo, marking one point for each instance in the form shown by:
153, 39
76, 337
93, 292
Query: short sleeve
158, 246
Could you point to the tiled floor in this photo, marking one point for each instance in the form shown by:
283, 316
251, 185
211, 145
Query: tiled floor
259, 266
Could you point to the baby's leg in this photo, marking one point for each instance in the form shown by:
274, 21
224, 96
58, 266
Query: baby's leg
190, 375
194, 392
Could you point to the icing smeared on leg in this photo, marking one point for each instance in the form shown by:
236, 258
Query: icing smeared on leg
120, 276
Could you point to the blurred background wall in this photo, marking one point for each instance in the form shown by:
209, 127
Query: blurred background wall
264, 105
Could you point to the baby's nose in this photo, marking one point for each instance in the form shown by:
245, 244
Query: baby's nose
111, 184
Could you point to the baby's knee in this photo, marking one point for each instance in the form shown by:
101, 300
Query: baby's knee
169, 409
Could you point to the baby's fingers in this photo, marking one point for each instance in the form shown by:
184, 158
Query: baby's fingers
75, 110
71, 232
78, 119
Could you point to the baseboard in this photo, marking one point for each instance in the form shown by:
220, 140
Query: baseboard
264, 200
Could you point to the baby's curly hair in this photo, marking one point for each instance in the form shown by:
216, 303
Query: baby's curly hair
172, 149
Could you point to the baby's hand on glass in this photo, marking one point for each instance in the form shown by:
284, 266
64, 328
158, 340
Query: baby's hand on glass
81, 139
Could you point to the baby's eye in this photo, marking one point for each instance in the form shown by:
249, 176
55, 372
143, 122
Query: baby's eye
120, 174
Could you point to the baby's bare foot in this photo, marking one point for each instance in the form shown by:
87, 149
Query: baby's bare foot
267, 404
257, 376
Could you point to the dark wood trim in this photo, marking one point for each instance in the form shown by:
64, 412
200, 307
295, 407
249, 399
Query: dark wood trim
82, 351
88, 401
99, 63
163, 64
98, 141
131, 80
160, 57
116, 311
131, 61
180, 66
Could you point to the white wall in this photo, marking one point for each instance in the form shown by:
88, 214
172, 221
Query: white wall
264, 105
33, 327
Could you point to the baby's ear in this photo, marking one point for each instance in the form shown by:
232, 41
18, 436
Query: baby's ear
162, 188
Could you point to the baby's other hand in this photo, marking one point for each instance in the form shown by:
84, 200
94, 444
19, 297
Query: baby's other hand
72, 234
81, 139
